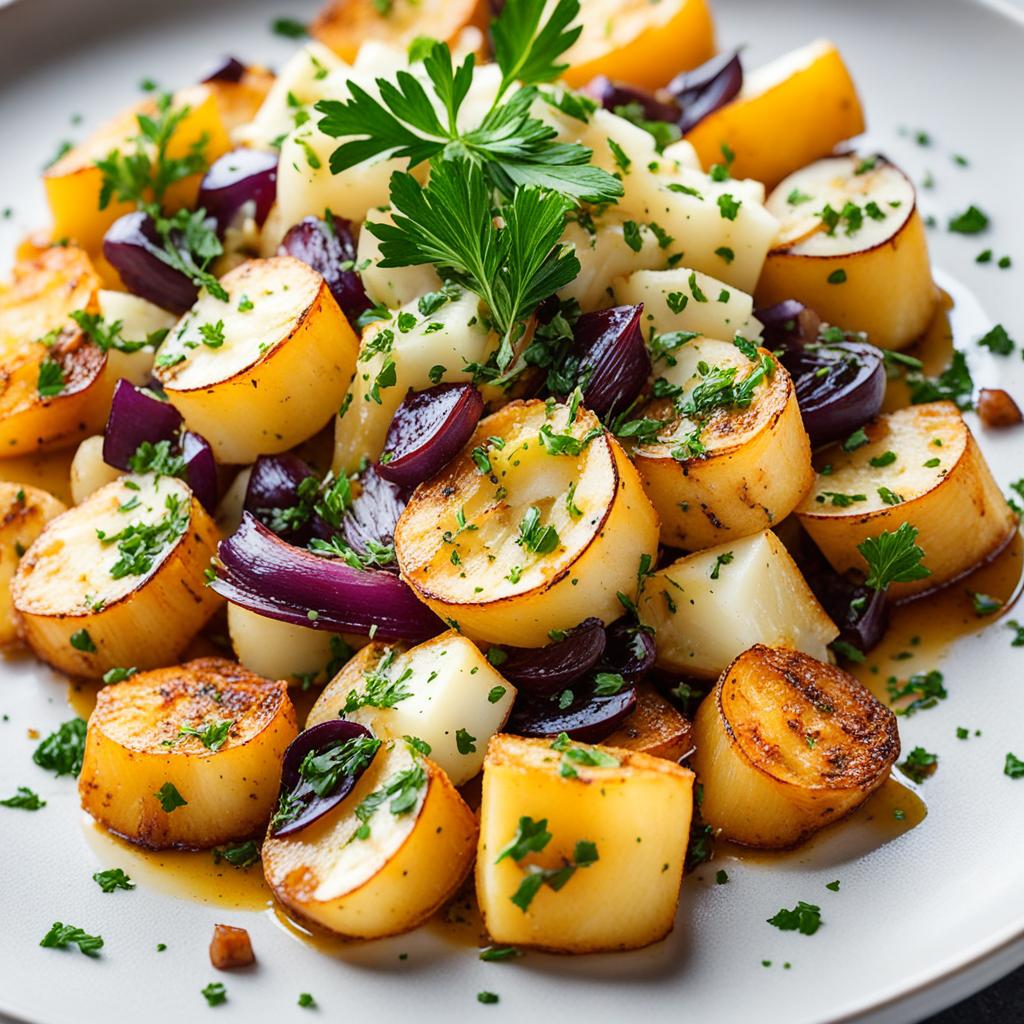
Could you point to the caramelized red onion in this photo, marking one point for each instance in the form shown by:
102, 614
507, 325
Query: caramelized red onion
630, 651
543, 671
200, 469
230, 70
612, 364
263, 573
705, 89
428, 430
840, 384
611, 94
132, 246
244, 178
296, 790
588, 717
273, 485
136, 417
330, 249
373, 515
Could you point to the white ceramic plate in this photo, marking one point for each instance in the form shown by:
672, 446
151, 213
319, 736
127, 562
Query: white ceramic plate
918, 923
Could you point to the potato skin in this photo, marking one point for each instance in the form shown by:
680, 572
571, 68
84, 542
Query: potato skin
787, 745
144, 627
626, 899
939, 509
24, 512
133, 748
788, 114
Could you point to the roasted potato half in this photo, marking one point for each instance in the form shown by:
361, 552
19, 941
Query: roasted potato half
787, 745
444, 691
640, 42
619, 818
710, 606
187, 756
788, 113
117, 581
389, 873
686, 300
656, 727
55, 386
539, 541
265, 370
141, 321
736, 469
852, 247
938, 477
392, 361
73, 183
24, 511
344, 25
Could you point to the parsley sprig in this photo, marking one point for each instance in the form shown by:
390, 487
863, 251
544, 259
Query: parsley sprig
512, 147
893, 557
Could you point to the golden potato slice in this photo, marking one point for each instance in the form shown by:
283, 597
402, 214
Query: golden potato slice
734, 470
117, 582
24, 511
710, 606
265, 370
853, 248
187, 756
344, 25
388, 873
640, 42
937, 478
55, 387
539, 542
656, 727
788, 113
619, 818
73, 183
443, 691
787, 745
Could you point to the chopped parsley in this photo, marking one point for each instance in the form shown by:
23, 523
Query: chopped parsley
893, 557
215, 993
113, 878
926, 688
804, 918
50, 381
919, 765
60, 936
169, 798
971, 222
24, 799
1013, 767
62, 751
140, 544
540, 540
213, 735
82, 641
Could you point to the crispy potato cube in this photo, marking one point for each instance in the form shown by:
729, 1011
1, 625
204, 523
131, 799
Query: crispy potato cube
188, 756
230, 947
634, 809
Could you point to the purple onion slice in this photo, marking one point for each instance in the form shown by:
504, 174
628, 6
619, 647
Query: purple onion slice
330, 249
613, 364
132, 247
321, 767
273, 487
200, 469
611, 94
136, 417
373, 515
230, 69
428, 430
704, 90
788, 324
630, 651
243, 178
587, 717
544, 671
263, 573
